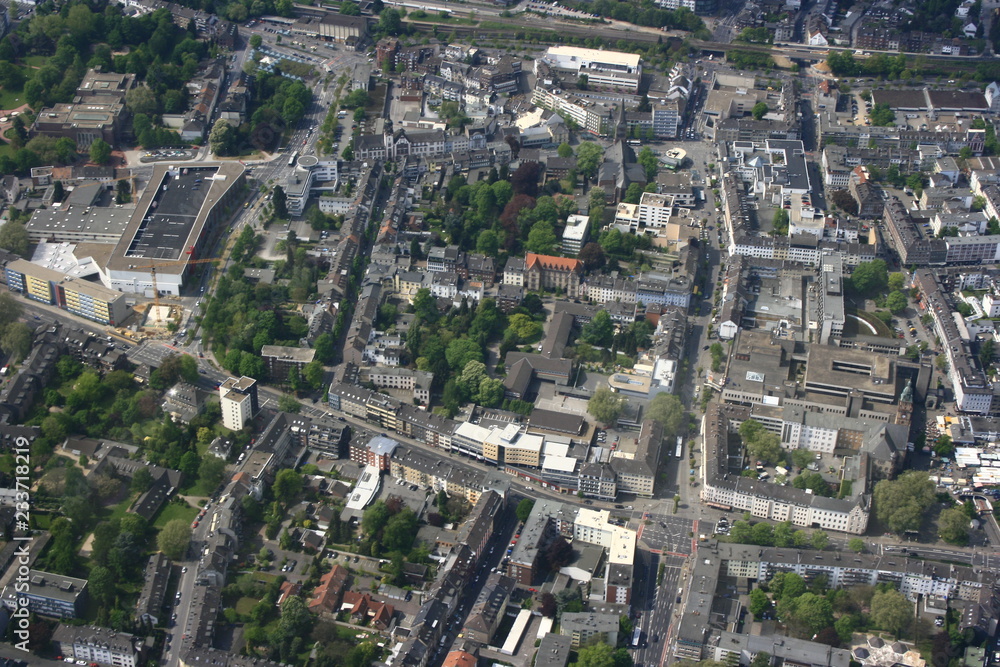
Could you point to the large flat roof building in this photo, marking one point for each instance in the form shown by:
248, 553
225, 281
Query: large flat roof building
613, 69
175, 220
78, 224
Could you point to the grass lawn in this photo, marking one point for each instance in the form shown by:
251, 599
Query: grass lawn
265, 577
10, 99
175, 510
35, 61
200, 489
245, 605
119, 510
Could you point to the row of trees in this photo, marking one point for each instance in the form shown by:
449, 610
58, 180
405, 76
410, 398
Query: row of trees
779, 535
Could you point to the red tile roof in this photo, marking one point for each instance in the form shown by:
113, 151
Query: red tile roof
550, 263
459, 659
327, 595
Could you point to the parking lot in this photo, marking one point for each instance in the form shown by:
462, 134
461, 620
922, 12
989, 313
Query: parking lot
168, 154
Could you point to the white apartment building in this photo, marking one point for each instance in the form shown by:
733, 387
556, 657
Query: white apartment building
239, 402
575, 234
991, 305
101, 645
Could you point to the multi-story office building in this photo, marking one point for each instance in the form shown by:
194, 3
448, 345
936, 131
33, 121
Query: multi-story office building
49, 595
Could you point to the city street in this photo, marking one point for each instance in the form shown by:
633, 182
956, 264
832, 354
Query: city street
668, 533
657, 604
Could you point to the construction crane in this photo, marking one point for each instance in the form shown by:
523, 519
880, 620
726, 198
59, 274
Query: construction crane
177, 262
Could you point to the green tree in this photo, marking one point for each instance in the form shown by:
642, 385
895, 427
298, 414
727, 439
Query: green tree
541, 238
461, 351
472, 375
668, 410
634, 193
890, 610
287, 486
375, 518
759, 603
762, 659
896, 302
801, 457
16, 340
605, 406
760, 443
222, 138
390, 22
953, 526
759, 110
211, 471
488, 243
986, 352
141, 480
718, 356
14, 237
819, 540
523, 510
814, 611
944, 446
856, 544
650, 163
565, 150
870, 278
596, 655
779, 226
174, 538
762, 534
588, 158
882, 115
255, 41
896, 281
400, 531
280, 202
100, 151
288, 404
521, 327
599, 331
901, 503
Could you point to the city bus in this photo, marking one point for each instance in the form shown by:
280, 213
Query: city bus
680, 441
636, 636
291, 160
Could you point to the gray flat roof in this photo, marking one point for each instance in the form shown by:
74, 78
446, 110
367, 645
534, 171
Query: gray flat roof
80, 220
167, 224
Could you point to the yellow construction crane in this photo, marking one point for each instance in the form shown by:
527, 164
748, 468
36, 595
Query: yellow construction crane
177, 262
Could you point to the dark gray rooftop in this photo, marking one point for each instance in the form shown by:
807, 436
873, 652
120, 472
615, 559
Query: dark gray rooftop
171, 215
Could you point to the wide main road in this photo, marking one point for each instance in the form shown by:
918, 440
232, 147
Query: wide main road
658, 603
